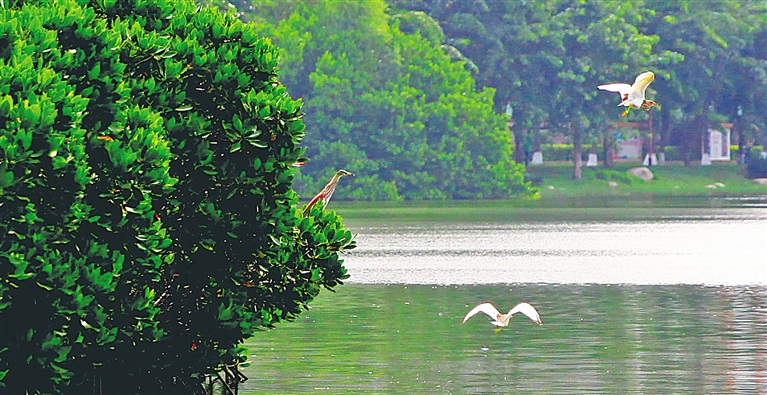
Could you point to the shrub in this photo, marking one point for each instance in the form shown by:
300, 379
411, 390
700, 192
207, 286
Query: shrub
753, 150
676, 153
85, 250
612, 175
557, 152
145, 186
756, 166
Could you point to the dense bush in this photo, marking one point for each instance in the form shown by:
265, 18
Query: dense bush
750, 151
676, 153
145, 190
756, 166
561, 152
612, 175
557, 152
82, 251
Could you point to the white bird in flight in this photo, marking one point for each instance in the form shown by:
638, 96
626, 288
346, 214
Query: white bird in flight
502, 320
633, 96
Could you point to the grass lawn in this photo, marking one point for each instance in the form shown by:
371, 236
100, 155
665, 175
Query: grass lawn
555, 180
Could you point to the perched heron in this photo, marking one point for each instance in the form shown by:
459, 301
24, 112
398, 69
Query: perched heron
327, 192
502, 320
633, 96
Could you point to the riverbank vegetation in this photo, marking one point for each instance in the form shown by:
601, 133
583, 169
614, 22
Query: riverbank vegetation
671, 179
391, 106
409, 94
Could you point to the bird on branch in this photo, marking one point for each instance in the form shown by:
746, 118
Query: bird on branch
502, 320
633, 96
327, 192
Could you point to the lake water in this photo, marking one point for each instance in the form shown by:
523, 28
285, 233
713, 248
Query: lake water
645, 297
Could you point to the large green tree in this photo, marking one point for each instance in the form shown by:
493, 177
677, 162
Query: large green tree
723, 66
546, 58
149, 220
393, 107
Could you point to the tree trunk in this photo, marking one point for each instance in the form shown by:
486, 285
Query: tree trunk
537, 137
651, 135
741, 143
577, 149
608, 148
693, 138
703, 130
519, 150
665, 128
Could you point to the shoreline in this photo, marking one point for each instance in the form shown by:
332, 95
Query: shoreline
672, 179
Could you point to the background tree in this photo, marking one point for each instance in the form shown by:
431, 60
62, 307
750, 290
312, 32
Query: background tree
717, 42
546, 58
378, 101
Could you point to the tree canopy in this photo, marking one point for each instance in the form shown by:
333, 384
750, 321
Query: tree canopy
546, 58
392, 106
146, 205
358, 63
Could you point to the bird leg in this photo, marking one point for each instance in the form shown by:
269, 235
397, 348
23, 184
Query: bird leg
496, 330
647, 104
626, 111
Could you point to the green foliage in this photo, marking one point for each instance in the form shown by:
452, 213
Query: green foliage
146, 196
756, 166
674, 152
557, 152
546, 59
78, 211
612, 175
392, 106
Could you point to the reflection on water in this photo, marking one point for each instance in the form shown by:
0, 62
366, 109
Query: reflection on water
645, 245
598, 339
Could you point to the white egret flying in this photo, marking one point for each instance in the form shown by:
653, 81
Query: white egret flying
502, 320
633, 96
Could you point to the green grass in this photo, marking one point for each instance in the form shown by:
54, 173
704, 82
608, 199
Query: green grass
672, 179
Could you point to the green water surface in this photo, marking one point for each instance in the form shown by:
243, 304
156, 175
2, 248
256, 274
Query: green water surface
642, 296
598, 339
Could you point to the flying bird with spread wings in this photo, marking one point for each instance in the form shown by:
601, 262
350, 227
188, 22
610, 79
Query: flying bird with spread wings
633, 96
502, 320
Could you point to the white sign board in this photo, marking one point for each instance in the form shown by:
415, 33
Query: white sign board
719, 144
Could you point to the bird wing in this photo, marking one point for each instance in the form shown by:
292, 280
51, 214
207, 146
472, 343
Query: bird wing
622, 89
528, 310
642, 81
486, 308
